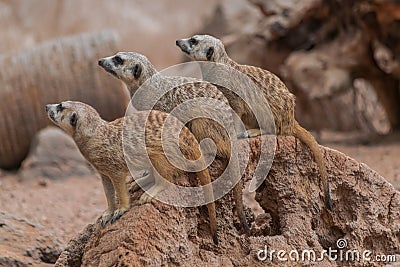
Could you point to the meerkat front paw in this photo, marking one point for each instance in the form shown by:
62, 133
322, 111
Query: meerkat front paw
145, 198
250, 133
149, 194
106, 217
117, 214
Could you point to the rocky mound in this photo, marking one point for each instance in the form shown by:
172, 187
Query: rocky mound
364, 222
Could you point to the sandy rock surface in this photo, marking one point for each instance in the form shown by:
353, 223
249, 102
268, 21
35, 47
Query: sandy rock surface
366, 216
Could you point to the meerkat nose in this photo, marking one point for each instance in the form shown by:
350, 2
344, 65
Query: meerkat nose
177, 42
100, 62
47, 108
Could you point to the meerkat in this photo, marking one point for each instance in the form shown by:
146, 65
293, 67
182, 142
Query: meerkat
135, 70
278, 96
100, 142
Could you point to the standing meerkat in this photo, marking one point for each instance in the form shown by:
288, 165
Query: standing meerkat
100, 142
280, 100
135, 70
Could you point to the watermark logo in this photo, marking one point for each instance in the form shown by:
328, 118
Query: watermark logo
341, 243
161, 90
339, 254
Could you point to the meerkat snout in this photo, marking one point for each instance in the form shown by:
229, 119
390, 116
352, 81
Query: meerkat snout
50, 112
106, 64
181, 44
50, 109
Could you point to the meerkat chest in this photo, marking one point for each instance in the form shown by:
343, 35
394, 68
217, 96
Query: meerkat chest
102, 153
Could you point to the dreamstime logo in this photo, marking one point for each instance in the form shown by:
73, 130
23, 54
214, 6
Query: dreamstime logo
341, 243
340, 253
160, 89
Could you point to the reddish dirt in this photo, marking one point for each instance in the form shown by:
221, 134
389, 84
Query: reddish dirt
63, 207
380, 153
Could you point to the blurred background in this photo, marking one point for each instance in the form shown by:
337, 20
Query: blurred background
340, 58
142, 26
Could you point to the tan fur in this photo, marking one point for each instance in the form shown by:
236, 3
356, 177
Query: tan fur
100, 142
280, 100
124, 66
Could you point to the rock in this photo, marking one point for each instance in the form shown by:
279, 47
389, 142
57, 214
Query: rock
54, 155
23, 243
365, 216
370, 112
72, 254
320, 49
315, 76
366, 208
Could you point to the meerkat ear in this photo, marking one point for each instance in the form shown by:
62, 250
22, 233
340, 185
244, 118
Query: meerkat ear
210, 52
73, 119
137, 70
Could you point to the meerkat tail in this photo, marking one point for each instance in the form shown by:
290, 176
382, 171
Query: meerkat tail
306, 137
234, 171
238, 196
204, 177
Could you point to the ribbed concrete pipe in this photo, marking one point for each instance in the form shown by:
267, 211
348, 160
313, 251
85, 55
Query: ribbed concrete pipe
63, 69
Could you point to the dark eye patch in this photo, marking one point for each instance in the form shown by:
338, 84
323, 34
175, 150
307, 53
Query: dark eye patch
210, 52
73, 120
136, 70
117, 60
59, 108
193, 41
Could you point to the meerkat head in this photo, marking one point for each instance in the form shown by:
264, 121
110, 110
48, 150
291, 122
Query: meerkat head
131, 68
202, 48
70, 115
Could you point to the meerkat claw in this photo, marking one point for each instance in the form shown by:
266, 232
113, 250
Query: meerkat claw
117, 214
105, 218
104, 223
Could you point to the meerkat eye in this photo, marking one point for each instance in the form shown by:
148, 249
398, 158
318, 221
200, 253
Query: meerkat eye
210, 52
136, 70
59, 108
73, 120
117, 60
193, 41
